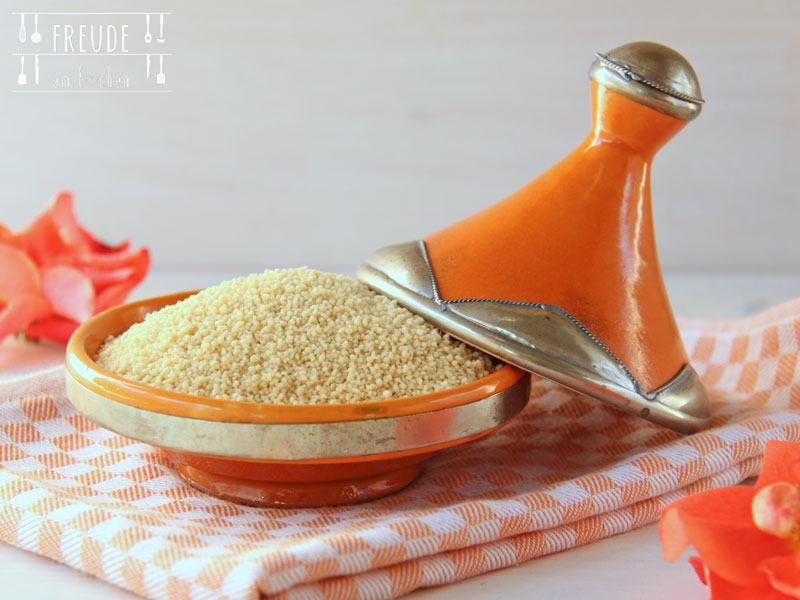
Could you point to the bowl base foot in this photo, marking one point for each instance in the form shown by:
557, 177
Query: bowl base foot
299, 494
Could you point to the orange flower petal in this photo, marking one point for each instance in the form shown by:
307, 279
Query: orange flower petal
18, 273
20, 311
55, 329
99, 247
69, 292
672, 534
55, 239
116, 259
699, 568
783, 573
719, 524
101, 277
781, 463
114, 294
722, 589
54, 235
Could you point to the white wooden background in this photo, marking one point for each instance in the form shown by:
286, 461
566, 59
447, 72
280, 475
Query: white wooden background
312, 132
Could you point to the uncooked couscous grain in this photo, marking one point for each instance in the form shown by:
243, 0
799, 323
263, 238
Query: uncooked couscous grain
292, 336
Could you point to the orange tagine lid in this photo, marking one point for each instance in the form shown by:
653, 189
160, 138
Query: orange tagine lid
562, 277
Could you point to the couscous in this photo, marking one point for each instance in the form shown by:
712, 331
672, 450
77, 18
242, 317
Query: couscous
292, 336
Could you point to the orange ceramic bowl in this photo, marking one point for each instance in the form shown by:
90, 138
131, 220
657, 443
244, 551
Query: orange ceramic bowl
284, 455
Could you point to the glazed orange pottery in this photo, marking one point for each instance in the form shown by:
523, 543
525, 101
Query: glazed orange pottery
562, 277
284, 455
580, 237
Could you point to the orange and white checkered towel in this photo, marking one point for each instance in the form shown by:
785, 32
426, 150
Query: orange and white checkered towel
567, 471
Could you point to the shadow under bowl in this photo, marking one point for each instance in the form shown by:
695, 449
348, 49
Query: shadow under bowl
284, 455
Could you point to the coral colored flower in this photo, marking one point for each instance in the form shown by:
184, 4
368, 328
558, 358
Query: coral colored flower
54, 274
748, 539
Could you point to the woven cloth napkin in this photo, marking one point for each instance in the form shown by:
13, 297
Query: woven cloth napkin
567, 471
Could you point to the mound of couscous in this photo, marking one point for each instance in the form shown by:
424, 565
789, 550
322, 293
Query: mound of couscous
292, 336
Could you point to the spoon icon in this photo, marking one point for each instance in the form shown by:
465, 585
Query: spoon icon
36, 37
147, 37
22, 36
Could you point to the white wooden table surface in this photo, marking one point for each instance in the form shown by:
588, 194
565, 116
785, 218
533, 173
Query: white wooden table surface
625, 566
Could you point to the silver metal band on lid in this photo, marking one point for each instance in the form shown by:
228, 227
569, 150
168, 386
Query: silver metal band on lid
629, 73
